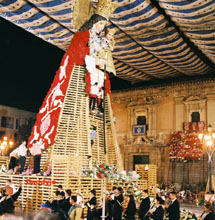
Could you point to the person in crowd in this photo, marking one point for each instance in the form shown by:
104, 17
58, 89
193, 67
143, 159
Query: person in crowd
36, 151
8, 199
91, 205
80, 198
158, 213
94, 91
60, 189
208, 213
93, 134
14, 156
174, 208
131, 208
110, 206
144, 206
118, 200
58, 206
22, 155
10, 184
67, 204
75, 211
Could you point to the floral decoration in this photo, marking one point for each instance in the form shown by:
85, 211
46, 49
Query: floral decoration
185, 146
185, 215
101, 171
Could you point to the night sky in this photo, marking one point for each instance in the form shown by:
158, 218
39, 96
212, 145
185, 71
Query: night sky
28, 65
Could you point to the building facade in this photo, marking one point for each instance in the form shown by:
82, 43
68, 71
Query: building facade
162, 110
11, 119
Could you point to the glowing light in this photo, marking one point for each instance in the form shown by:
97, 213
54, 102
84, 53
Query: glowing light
11, 143
207, 137
209, 143
4, 143
5, 138
213, 135
2, 147
200, 136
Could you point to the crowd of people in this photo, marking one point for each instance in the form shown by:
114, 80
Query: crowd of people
68, 205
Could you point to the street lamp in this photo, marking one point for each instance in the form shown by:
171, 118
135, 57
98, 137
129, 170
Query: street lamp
208, 141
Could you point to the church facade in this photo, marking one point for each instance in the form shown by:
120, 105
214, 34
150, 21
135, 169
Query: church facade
146, 118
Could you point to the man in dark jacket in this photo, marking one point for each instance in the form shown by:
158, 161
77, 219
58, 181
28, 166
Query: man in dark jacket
8, 199
174, 208
208, 213
58, 206
144, 206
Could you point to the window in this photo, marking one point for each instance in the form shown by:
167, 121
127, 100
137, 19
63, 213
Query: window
141, 120
195, 117
140, 159
3, 122
7, 122
17, 123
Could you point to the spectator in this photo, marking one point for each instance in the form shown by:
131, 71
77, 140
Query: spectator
91, 205
58, 206
110, 206
158, 213
174, 208
67, 204
14, 156
131, 209
60, 189
208, 213
75, 211
22, 155
10, 184
118, 199
36, 151
145, 205
8, 199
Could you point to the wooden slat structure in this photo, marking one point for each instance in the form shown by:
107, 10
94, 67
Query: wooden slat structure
70, 152
148, 172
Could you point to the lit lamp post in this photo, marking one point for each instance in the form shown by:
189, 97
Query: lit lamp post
208, 141
4, 144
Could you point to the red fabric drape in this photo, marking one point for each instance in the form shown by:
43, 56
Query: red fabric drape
47, 119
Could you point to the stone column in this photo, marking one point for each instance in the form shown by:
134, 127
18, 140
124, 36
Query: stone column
179, 113
211, 110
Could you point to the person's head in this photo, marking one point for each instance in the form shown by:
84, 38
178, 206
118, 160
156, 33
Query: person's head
9, 182
60, 195
109, 33
208, 207
145, 193
59, 187
68, 192
73, 200
8, 190
93, 192
159, 201
114, 188
24, 142
172, 195
34, 142
96, 22
57, 193
119, 190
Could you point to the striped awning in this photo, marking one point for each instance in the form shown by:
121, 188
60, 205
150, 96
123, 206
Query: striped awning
155, 38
